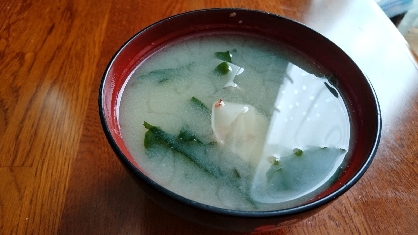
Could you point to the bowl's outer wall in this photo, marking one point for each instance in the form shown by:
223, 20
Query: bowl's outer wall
217, 220
358, 94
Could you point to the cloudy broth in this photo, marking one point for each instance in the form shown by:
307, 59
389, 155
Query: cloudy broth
232, 121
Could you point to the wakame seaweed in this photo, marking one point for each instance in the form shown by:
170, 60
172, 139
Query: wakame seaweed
200, 104
225, 56
223, 68
333, 91
163, 75
187, 144
296, 170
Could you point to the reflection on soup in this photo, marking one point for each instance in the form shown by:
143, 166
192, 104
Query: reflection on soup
233, 121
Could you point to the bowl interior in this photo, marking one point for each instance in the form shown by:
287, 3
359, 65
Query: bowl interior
359, 95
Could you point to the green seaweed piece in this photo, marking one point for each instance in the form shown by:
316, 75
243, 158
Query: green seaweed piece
191, 149
332, 79
298, 172
223, 68
298, 152
199, 104
196, 151
187, 135
163, 75
149, 140
273, 160
225, 56
236, 173
333, 91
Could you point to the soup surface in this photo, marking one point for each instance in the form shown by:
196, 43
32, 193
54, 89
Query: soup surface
233, 121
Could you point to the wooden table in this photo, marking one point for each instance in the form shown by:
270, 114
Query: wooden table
58, 175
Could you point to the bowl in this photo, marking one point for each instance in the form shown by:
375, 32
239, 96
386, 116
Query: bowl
359, 97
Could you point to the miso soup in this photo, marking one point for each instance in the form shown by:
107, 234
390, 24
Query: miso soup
234, 121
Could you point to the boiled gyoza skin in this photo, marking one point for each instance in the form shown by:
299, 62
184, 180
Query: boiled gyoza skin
229, 140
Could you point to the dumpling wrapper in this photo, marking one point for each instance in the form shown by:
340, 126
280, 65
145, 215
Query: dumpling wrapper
239, 128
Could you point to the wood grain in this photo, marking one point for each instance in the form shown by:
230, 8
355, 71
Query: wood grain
58, 175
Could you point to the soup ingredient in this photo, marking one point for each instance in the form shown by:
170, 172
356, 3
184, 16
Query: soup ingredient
240, 129
294, 173
235, 70
162, 75
234, 171
245, 140
199, 104
227, 68
223, 68
297, 152
225, 56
